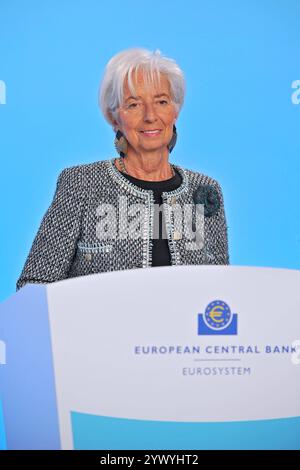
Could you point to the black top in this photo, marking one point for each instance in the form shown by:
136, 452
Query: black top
160, 251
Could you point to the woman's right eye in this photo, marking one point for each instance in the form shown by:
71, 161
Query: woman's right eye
132, 105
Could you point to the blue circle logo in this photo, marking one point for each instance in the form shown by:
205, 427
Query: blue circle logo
217, 315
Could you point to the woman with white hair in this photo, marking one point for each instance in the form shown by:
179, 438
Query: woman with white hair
137, 210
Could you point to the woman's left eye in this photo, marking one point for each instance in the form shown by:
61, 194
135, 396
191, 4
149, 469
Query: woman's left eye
163, 102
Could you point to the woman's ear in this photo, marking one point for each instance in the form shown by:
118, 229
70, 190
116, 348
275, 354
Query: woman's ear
113, 121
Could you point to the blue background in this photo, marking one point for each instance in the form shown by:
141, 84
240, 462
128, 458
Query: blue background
238, 124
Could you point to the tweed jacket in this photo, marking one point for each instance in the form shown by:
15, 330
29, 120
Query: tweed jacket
69, 243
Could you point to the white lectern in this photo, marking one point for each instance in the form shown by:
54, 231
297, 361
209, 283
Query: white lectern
187, 357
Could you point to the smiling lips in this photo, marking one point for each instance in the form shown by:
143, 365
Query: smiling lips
151, 133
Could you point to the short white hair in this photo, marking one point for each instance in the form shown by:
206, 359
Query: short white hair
122, 65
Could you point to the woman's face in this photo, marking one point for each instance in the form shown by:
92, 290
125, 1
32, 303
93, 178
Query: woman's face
150, 110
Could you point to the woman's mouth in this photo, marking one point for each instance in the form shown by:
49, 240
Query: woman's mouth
151, 133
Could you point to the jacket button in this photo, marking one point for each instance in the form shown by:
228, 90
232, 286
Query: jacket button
177, 236
88, 256
173, 200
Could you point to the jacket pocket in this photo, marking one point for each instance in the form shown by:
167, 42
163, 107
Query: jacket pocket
95, 257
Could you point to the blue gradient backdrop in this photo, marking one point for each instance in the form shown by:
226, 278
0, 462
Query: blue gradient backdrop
239, 123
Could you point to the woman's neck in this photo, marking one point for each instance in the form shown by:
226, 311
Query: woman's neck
147, 168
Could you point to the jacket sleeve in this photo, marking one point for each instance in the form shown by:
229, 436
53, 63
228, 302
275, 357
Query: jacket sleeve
220, 231
54, 246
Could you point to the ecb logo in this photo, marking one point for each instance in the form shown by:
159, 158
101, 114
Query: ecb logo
217, 320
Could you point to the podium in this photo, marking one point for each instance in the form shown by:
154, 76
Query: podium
179, 357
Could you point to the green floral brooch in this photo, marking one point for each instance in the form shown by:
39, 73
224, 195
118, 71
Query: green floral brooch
208, 196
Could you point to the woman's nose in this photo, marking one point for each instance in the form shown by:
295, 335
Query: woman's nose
149, 112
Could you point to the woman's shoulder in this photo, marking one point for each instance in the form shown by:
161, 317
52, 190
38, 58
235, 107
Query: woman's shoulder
205, 188
85, 167
197, 178
82, 173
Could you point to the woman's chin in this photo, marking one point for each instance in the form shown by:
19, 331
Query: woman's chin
152, 145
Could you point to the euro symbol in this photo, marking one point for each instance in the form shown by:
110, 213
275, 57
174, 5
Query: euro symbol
216, 314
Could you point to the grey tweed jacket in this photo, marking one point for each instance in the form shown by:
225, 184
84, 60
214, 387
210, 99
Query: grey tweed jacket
91, 200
